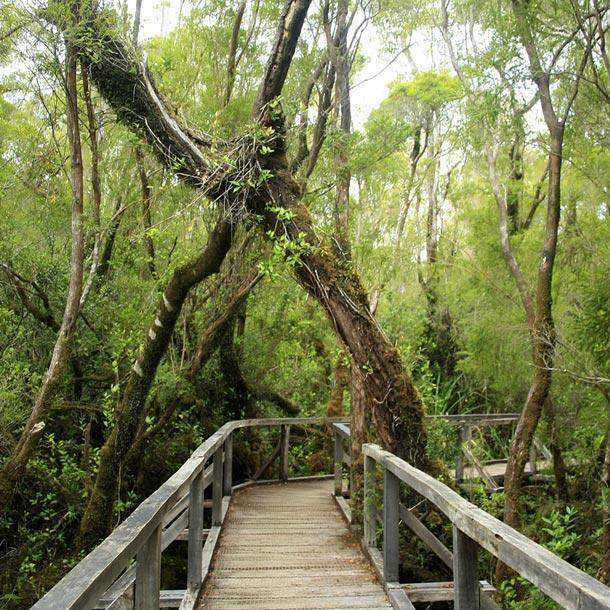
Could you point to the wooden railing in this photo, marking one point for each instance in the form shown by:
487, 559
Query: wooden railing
124, 570
108, 576
472, 529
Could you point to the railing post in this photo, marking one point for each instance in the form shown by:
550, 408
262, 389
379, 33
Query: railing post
465, 436
194, 571
148, 572
217, 487
369, 509
533, 458
338, 464
228, 466
284, 447
465, 571
390, 526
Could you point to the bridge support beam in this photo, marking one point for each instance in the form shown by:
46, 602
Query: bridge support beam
465, 571
369, 508
148, 572
338, 459
195, 535
217, 482
228, 466
284, 448
390, 526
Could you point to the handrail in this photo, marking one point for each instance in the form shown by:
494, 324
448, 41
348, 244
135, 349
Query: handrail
473, 527
141, 533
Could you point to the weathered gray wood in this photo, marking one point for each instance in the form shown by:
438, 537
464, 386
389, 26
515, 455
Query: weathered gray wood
542, 448
284, 450
342, 429
427, 592
227, 484
344, 507
534, 458
259, 473
477, 419
464, 437
562, 582
338, 462
217, 487
148, 573
465, 571
485, 477
391, 560
399, 598
195, 533
87, 582
370, 507
286, 546
426, 536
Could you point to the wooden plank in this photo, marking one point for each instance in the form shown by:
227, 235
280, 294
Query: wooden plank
287, 546
261, 471
391, 559
227, 484
195, 534
344, 507
343, 430
465, 571
92, 576
148, 573
426, 536
562, 582
217, 487
398, 598
284, 450
429, 592
485, 477
370, 507
338, 463
543, 449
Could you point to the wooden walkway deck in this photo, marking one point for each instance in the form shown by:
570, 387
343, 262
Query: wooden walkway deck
286, 546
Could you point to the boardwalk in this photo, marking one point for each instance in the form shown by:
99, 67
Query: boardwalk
287, 546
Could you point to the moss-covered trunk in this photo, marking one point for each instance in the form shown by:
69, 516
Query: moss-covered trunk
97, 520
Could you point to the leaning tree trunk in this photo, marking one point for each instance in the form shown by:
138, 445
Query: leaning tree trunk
201, 162
97, 520
604, 570
13, 468
543, 342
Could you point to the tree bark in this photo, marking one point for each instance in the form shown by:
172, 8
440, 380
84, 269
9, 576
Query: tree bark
604, 570
394, 400
97, 519
146, 215
17, 462
543, 343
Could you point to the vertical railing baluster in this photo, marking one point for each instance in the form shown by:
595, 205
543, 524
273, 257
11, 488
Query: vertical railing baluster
338, 457
369, 508
390, 526
465, 571
533, 458
148, 572
228, 466
459, 462
284, 448
194, 571
217, 487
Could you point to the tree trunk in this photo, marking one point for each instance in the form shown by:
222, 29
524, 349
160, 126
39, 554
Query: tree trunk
97, 519
17, 462
604, 570
543, 344
129, 89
